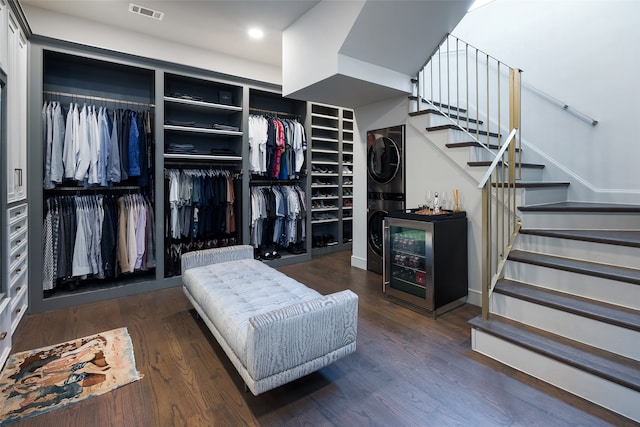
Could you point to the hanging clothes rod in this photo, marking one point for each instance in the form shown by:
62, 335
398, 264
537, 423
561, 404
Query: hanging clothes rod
269, 182
97, 98
190, 164
89, 189
273, 113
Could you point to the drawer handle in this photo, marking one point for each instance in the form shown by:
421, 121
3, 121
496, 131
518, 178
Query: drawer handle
18, 227
18, 242
18, 289
3, 336
19, 310
18, 270
18, 256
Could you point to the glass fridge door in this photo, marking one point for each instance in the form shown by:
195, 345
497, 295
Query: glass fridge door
410, 262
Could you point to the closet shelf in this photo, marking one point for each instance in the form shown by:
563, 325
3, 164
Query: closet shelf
201, 157
324, 162
324, 209
324, 186
319, 138
324, 128
324, 116
323, 221
221, 108
202, 130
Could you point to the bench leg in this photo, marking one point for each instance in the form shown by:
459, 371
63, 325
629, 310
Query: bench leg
246, 388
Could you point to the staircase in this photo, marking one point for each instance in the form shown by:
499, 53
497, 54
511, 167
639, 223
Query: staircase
565, 305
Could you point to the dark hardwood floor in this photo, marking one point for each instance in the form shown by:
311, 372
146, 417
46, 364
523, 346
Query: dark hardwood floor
408, 370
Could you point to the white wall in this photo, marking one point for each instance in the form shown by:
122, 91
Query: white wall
584, 54
68, 28
310, 45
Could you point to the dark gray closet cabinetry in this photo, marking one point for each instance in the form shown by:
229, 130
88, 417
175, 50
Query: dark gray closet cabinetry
332, 178
202, 119
203, 153
278, 187
94, 221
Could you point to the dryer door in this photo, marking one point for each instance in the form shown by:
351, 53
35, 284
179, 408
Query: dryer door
375, 232
383, 159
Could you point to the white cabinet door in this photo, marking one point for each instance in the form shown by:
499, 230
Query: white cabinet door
4, 17
16, 113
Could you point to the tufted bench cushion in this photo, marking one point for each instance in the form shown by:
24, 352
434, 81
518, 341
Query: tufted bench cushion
232, 292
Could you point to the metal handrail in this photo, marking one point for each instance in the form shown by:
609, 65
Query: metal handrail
496, 160
579, 114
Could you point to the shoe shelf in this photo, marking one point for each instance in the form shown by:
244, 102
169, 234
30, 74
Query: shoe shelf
331, 177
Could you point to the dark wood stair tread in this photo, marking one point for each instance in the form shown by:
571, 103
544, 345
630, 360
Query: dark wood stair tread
524, 165
613, 367
463, 119
437, 104
582, 207
473, 144
607, 271
608, 313
612, 237
535, 184
456, 127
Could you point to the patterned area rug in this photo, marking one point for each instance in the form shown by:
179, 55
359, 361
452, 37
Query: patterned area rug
41, 380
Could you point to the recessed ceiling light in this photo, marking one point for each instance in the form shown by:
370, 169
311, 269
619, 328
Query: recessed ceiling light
255, 33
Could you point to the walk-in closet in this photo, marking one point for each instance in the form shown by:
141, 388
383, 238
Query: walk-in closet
136, 161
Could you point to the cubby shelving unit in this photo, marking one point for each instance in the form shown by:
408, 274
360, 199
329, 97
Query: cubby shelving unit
331, 177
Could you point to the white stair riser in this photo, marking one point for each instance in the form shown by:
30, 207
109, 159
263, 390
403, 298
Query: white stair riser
597, 288
541, 195
592, 332
432, 120
580, 220
526, 174
590, 387
455, 135
625, 256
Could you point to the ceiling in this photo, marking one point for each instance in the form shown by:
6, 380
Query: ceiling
394, 36
214, 25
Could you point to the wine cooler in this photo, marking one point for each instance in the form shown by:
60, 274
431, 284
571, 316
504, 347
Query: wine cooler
425, 260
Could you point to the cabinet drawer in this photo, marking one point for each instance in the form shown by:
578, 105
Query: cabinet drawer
16, 213
18, 279
5, 330
18, 254
17, 239
17, 226
18, 308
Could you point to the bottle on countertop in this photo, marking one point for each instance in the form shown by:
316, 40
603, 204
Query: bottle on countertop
436, 204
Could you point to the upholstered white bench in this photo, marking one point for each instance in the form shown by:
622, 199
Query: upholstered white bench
273, 328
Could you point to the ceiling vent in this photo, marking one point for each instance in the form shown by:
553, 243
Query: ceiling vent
145, 11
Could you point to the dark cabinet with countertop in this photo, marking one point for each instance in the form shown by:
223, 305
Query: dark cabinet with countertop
425, 260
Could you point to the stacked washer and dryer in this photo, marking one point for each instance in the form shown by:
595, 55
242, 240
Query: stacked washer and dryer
385, 186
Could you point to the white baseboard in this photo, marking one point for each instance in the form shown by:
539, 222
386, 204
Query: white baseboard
358, 262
